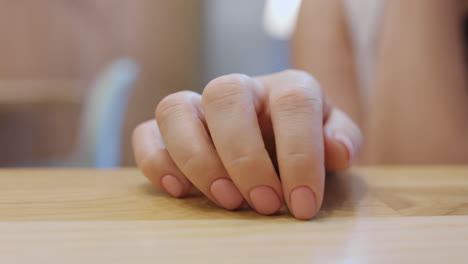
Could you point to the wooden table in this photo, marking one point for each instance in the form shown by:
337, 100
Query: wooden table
370, 215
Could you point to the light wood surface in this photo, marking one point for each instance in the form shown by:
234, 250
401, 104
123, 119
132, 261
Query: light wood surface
370, 215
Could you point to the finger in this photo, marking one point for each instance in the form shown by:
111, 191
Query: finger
231, 104
154, 161
180, 119
343, 141
297, 111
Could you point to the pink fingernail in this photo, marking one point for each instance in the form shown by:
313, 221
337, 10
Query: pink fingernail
227, 194
303, 203
265, 200
172, 185
343, 139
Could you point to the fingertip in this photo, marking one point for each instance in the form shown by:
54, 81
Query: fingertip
303, 203
172, 183
227, 194
173, 186
346, 142
265, 200
161, 171
339, 152
343, 140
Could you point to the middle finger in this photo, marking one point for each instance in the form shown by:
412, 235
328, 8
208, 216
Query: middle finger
231, 104
297, 112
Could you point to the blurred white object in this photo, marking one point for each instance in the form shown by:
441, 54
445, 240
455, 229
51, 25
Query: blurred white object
280, 17
364, 20
99, 143
100, 139
234, 40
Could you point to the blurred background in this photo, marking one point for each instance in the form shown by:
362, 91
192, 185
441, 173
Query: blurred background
77, 76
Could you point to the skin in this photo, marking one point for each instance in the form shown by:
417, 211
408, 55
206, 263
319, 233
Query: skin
326, 52
228, 141
419, 99
268, 141
420, 110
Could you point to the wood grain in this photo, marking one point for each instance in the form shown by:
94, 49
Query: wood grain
370, 215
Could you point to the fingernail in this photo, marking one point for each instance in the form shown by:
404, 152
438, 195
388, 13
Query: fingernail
303, 203
227, 194
265, 200
343, 139
172, 185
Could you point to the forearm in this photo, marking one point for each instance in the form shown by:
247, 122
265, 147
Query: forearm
420, 108
322, 47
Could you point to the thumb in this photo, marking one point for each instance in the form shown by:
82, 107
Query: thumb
342, 140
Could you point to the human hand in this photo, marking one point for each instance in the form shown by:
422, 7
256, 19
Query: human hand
233, 140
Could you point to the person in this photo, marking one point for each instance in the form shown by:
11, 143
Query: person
398, 69
269, 140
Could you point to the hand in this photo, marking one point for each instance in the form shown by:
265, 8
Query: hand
228, 141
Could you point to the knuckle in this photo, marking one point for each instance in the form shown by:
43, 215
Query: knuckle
225, 90
138, 129
302, 76
170, 107
228, 80
296, 97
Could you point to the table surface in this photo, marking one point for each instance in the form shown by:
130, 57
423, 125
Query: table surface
370, 215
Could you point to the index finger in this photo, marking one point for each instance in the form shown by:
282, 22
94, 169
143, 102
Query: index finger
297, 112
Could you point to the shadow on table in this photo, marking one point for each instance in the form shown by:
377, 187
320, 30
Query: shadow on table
343, 193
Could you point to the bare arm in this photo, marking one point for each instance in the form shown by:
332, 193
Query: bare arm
420, 107
321, 46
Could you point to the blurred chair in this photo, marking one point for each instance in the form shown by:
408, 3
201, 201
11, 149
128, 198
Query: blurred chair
99, 142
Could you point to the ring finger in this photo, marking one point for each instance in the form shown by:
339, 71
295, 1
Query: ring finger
180, 119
